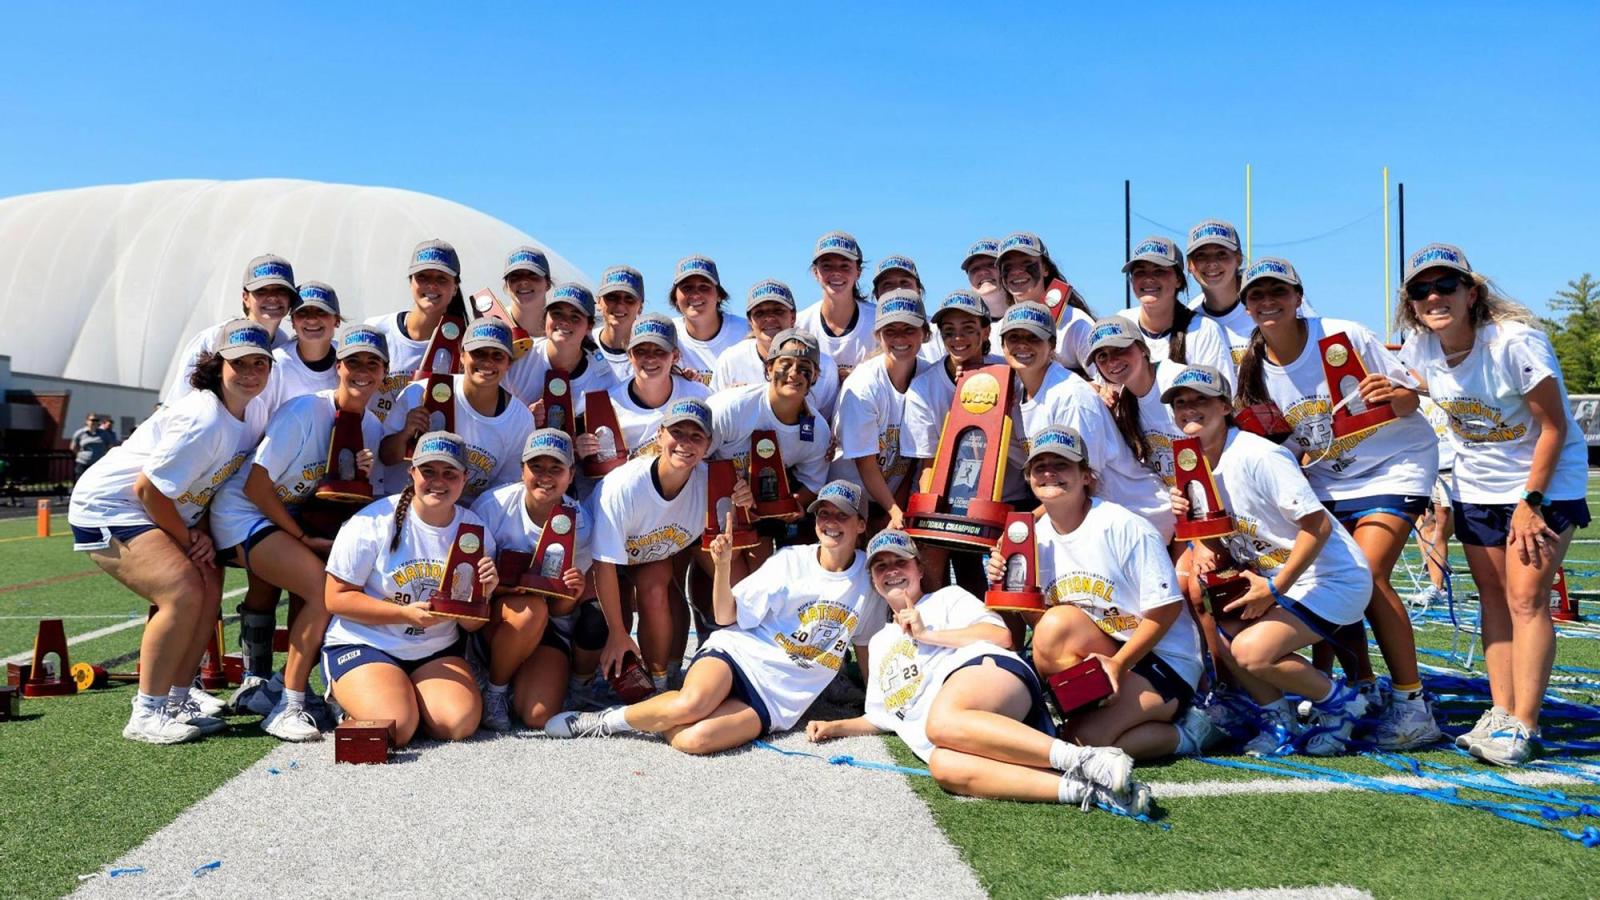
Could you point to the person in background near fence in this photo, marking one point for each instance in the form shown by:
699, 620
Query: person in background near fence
91, 442
137, 515
1521, 475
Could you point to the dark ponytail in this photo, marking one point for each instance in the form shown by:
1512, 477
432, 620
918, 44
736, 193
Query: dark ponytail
1177, 345
1252, 388
207, 373
401, 507
1125, 412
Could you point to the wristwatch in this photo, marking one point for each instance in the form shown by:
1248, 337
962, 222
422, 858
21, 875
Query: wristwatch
1534, 499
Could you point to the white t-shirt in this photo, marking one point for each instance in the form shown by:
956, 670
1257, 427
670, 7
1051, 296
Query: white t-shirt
1157, 424
526, 376
505, 513
848, 349
1398, 457
641, 424
796, 620
407, 575
868, 423
634, 523
906, 675
294, 453
1439, 421
1261, 486
698, 358
1204, 344
494, 443
1236, 324
206, 342
1115, 568
804, 445
1122, 479
618, 360
1072, 338
405, 357
742, 364
1491, 426
292, 378
186, 450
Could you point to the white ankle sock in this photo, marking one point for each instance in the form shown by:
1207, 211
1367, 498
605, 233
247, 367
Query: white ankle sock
152, 703
1063, 755
294, 699
178, 695
1071, 791
614, 720
498, 688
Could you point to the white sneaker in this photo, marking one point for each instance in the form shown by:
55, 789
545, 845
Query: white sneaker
1195, 725
1135, 801
1233, 714
1421, 600
1406, 725
1334, 719
208, 704
578, 724
1492, 719
154, 726
250, 697
189, 714
1509, 745
1277, 733
497, 711
1108, 767
291, 723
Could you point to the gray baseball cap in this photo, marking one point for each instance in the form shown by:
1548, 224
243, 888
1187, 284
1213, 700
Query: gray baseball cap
359, 337
488, 332
267, 270
892, 540
1269, 267
572, 294
704, 266
1214, 231
842, 243
440, 446
653, 328
527, 259
551, 442
964, 302
797, 343
437, 255
896, 264
1447, 255
622, 279
1031, 317
846, 495
1155, 249
1200, 379
243, 337
1113, 331
981, 248
690, 409
900, 305
771, 290
317, 294
1058, 440
1022, 242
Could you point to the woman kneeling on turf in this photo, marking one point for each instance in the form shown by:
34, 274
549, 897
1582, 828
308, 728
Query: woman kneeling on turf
792, 620
531, 638
1307, 579
944, 679
1113, 594
386, 654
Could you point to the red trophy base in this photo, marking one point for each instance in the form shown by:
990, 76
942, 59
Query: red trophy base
345, 492
545, 586
1345, 425
362, 741
511, 566
37, 682
10, 704
1015, 601
471, 610
1210, 525
213, 671
743, 538
633, 684
1085, 684
772, 509
1222, 587
979, 529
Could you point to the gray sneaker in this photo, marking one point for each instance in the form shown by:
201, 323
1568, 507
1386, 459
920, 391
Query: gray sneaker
1509, 745
1199, 729
291, 723
497, 711
1334, 719
154, 726
577, 724
1491, 720
1406, 725
209, 705
1135, 801
189, 714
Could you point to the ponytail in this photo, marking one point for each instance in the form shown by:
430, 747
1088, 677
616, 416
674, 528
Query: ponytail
1252, 387
1177, 346
401, 507
1125, 412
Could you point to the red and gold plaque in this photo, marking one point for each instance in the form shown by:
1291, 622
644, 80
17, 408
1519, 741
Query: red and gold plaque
485, 304
460, 594
1056, 296
1085, 685
962, 507
558, 402
1192, 475
1342, 367
552, 556
443, 356
344, 481
600, 420
721, 477
1018, 588
769, 481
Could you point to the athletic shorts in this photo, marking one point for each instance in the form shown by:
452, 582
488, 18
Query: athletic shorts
230, 556
1348, 642
1346, 511
99, 537
1038, 717
741, 690
341, 658
1488, 524
1166, 680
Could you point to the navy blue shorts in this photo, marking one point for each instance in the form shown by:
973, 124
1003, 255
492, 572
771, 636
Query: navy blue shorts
1166, 680
230, 556
1038, 717
1348, 642
341, 658
1406, 505
1488, 524
741, 690
100, 537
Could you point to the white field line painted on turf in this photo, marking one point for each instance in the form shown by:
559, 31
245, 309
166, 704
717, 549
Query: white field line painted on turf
1320, 892
1179, 789
106, 616
98, 632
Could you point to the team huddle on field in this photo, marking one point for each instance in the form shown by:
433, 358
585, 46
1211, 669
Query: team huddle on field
476, 505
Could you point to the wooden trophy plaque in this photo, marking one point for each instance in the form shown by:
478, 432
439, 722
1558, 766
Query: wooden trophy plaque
633, 684
1056, 295
600, 420
343, 482
443, 356
1224, 584
461, 595
439, 399
50, 672
721, 477
1342, 367
558, 409
363, 740
1192, 475
552, 556
769, 481
1264, 419
1018, 589
485, 304
962, 508
1083, 685
10, 703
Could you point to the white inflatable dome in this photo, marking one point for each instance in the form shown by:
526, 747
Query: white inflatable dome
106, 284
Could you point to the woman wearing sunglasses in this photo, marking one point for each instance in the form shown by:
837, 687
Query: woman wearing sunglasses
1521, 475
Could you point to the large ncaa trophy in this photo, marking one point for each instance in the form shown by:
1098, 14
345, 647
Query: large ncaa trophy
769, 481
1018, 588
1342, 367
600, 420
344, 482
485, 304
962, 508
443, 356
460, 595
539, 572
721, 478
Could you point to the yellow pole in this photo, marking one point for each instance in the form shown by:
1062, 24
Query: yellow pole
1387, 290
1247, 213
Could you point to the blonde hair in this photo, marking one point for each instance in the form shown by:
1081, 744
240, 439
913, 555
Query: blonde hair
1491, 306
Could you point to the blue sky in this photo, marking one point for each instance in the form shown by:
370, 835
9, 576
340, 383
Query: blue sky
642, 133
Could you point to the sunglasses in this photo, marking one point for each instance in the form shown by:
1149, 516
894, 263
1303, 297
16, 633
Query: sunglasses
1444, 287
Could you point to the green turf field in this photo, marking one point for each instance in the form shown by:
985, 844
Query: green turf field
77, 795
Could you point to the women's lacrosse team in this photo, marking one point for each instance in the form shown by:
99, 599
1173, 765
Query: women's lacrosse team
854, 391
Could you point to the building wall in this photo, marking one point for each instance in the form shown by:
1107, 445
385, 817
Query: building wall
126, 406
